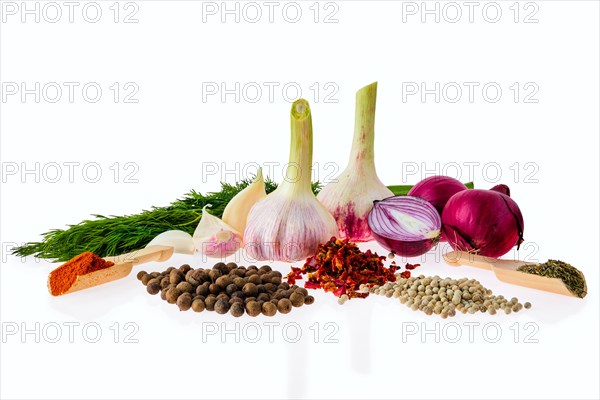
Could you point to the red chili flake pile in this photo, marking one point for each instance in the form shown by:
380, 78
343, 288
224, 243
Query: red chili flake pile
340, 267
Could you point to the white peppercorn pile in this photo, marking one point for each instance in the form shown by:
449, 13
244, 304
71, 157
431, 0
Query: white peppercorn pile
446, 296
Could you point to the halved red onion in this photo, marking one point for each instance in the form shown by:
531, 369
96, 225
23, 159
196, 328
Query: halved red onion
485, 222
406, 225
437, 190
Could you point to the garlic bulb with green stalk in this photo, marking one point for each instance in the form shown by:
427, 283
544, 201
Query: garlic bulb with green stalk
237, 210
214, 238
290, 223
349, 197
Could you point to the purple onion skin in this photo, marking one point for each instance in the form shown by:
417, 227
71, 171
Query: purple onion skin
405, 248
502, 189
437, 190
484, 222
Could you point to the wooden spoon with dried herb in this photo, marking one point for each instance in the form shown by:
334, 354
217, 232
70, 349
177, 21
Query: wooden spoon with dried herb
551, 276
568, 274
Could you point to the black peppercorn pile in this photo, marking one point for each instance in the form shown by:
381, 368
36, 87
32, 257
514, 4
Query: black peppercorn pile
226, 288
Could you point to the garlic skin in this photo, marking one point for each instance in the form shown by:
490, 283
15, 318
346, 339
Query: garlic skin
349, 198
290, 223
236, 212
214, 238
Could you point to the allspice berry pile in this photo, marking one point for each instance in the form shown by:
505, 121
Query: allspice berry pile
446, 296
226, 288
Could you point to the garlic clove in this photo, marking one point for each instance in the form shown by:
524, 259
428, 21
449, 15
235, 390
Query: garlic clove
181, 241
214, 238
237, 210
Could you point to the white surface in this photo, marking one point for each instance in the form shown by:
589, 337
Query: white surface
171, 132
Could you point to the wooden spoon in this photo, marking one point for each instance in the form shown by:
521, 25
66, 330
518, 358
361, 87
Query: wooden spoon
506, 271
123, 265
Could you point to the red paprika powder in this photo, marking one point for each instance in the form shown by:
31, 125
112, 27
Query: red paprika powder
63, 277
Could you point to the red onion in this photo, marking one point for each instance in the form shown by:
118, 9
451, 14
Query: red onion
406, 225
485, 222
437, 190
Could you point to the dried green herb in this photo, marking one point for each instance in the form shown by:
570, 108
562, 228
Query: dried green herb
571, 276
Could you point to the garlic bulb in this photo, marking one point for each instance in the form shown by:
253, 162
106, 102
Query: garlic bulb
290, 223
214, 238
237, 210
181, 241
350, 196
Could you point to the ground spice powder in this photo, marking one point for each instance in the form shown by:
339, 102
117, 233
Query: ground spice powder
63, 277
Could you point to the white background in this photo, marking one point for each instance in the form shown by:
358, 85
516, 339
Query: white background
172, 135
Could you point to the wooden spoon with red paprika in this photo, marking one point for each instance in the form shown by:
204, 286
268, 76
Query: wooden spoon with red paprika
87, 269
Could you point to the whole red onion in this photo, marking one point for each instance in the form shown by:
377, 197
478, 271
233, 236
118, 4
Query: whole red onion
485, 222
437, 190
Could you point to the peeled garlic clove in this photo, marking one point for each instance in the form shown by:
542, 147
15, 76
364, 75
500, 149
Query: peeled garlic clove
181, 241
349, 198
214, 238
237, 210
290, 223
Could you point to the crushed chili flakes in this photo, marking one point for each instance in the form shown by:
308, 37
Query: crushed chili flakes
340, 267
407, 268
